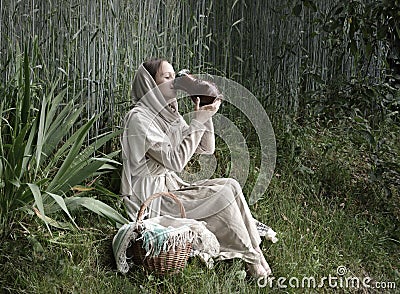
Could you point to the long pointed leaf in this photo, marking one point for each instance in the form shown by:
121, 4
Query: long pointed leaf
28, 151
77, 175
40, 134
81, 134
54, 103
64, 116
57, 127
80, 168
60, 201
86, 167
53, 222
96, 206
17, 151
45, 118
100, 141
56, 132
38, 201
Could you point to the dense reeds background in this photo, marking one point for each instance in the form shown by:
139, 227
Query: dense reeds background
95, 46
326, 72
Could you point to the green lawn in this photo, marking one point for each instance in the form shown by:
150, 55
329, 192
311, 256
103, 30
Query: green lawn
332, 227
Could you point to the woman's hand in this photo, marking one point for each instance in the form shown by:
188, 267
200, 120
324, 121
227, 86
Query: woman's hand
205, 112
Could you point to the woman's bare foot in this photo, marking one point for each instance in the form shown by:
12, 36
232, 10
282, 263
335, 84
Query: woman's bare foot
256, 270
264, 263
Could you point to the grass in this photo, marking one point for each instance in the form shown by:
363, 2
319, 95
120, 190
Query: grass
334, 197
326, 210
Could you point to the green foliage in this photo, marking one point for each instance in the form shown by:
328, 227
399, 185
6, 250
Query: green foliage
319, 68
41, 156
340, 99
381, 152
365, 29
321, 202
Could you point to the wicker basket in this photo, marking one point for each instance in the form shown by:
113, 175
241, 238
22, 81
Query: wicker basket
169, 262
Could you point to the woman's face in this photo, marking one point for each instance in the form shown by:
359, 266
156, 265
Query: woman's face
165, 80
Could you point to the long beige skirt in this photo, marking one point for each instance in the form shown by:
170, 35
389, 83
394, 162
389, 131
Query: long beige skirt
221, 204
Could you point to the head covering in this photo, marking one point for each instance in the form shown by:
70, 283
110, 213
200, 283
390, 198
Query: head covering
151, 119
146, 93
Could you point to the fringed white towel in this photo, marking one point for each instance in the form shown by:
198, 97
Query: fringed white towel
163, 233
121, 242
157, 238
266, 231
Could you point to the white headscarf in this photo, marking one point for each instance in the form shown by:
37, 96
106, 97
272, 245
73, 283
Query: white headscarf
146, 94
150, 111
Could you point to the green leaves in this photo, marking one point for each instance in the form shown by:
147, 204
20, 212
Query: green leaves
96, 206
38, 199
61, 203
70, 161
43, 154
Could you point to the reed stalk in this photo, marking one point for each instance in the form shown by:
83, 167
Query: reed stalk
274, 48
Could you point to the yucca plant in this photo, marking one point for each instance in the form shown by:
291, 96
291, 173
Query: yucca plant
42, 156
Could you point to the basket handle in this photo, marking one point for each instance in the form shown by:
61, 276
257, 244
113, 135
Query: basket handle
157, 195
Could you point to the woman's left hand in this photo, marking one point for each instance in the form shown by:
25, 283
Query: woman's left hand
205, 112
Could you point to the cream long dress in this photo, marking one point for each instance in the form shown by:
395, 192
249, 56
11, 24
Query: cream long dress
156, 144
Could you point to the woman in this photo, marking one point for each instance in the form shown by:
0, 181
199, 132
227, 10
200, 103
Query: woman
157, 143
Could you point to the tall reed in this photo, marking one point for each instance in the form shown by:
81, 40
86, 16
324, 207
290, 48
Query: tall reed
276, 49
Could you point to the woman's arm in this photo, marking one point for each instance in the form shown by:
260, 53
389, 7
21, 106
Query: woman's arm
207, 142
169, 150
204, 114
174, 155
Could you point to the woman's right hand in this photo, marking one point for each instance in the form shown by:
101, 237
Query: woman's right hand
205, 112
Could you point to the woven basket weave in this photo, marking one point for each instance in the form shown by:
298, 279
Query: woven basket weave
169, 262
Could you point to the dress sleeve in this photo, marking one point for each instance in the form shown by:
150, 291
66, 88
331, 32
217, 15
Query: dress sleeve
173, 155
207, 142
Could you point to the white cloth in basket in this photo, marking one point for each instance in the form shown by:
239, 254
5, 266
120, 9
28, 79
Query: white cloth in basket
171, 232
